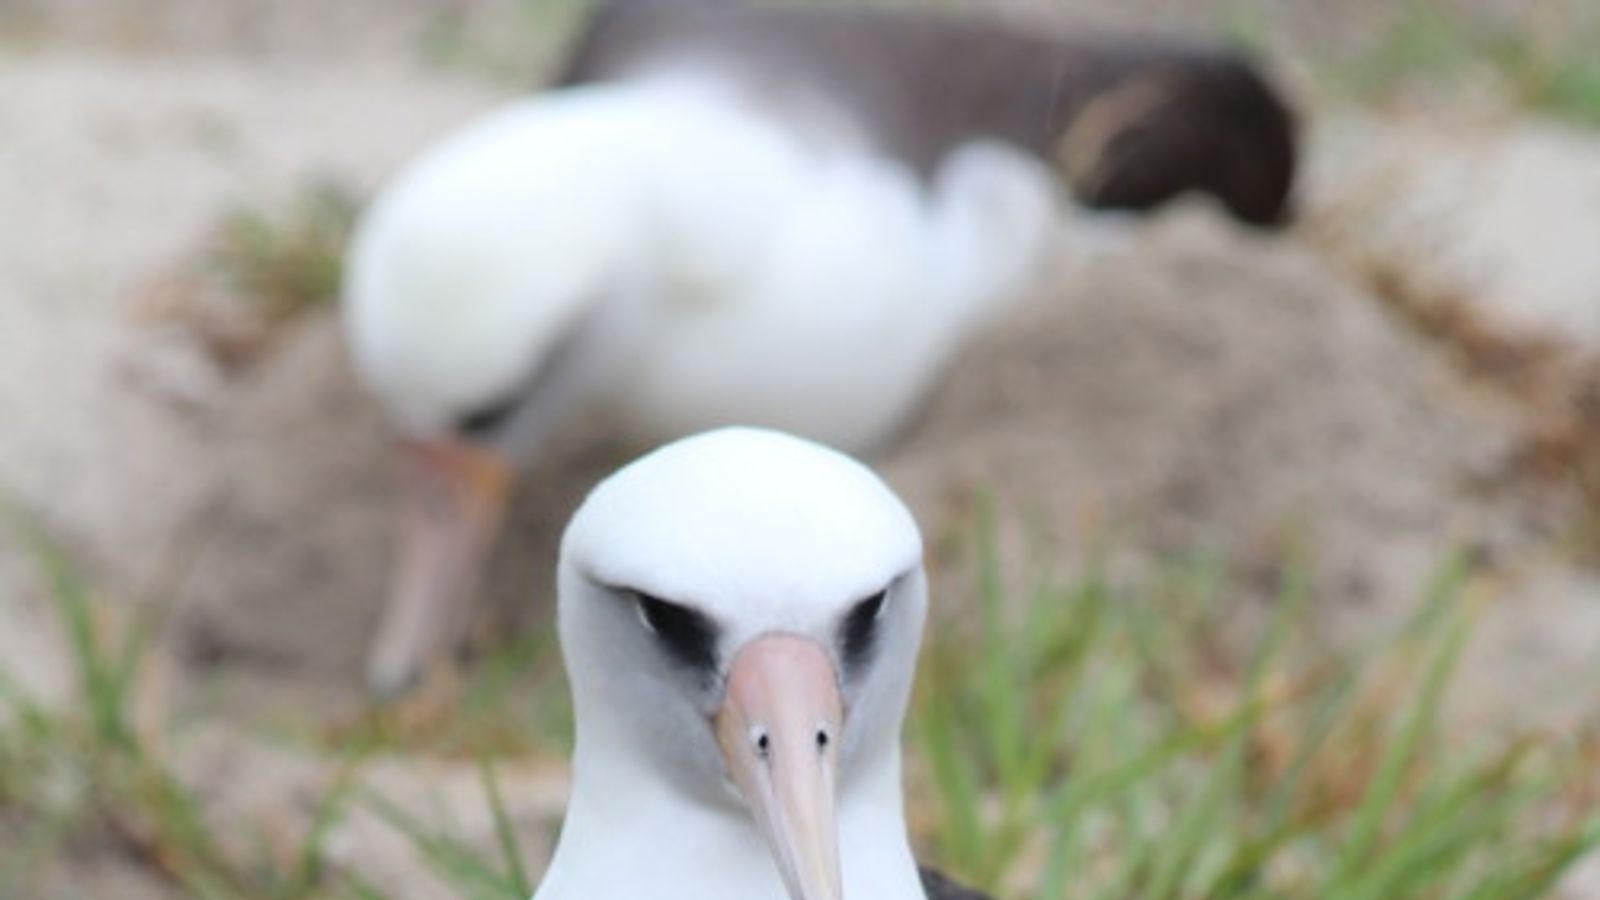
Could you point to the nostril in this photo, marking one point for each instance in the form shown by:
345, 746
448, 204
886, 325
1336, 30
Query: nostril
822, 739
763, 743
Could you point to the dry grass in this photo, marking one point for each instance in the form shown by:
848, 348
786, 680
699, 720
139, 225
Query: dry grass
258, 272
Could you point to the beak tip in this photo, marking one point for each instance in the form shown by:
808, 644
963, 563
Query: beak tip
390, 680
456, 498
786, 684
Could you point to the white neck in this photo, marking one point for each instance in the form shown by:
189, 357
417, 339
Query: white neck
630, 835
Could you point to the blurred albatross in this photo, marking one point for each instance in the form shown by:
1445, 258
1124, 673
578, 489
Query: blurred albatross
740, 614
781, 217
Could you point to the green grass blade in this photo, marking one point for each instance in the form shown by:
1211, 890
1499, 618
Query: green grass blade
504, 830
1418, 721
448, 857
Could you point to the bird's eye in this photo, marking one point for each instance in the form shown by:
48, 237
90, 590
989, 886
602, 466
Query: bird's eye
688, 636
488, 417
858, 633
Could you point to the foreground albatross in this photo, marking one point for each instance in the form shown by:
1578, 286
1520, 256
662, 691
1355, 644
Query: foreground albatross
739, 613
790, 218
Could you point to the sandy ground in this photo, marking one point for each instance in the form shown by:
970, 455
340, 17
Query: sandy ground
1185, 386
118, 432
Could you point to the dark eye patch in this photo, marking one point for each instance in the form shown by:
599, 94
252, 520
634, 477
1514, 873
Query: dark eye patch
858, 633
533, 389
687, 635
487, 418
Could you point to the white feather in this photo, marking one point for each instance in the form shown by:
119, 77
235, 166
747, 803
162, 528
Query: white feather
740, 271
765, 533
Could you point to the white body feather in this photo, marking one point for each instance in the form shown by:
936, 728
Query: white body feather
723, 266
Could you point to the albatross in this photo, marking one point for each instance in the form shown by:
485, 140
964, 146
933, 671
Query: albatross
780, 217
740, 613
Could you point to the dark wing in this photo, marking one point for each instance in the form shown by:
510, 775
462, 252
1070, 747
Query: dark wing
1127, 123
942, 888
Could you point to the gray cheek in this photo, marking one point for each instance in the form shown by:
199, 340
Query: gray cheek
674, 707
688, 756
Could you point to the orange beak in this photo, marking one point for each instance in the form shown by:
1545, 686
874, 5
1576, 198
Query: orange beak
456, 498
778, 729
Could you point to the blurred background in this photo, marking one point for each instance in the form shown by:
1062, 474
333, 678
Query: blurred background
197, 497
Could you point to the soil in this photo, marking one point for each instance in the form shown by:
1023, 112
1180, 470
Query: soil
1177, 383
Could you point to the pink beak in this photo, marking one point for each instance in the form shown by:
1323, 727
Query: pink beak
779, 733
456, 497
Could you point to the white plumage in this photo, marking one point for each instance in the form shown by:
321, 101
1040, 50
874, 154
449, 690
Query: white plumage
763, 537
666, 254
725, 213
714, 265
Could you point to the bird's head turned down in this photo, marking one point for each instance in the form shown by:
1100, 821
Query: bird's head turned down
740, 611
471, 303
476, 269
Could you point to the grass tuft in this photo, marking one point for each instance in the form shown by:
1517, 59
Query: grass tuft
1169, 773
509, 42
460, 865
285, 264
1541, 62
257, 272
84, 779
1077, 739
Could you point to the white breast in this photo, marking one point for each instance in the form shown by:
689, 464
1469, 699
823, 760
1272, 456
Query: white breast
812, 286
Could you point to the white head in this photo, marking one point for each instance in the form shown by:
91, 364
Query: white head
740, 613
474, 286
481, 259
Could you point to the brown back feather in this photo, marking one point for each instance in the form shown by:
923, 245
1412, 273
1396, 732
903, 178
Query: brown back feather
1127, 123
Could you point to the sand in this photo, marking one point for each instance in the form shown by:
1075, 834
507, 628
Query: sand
1184, 386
